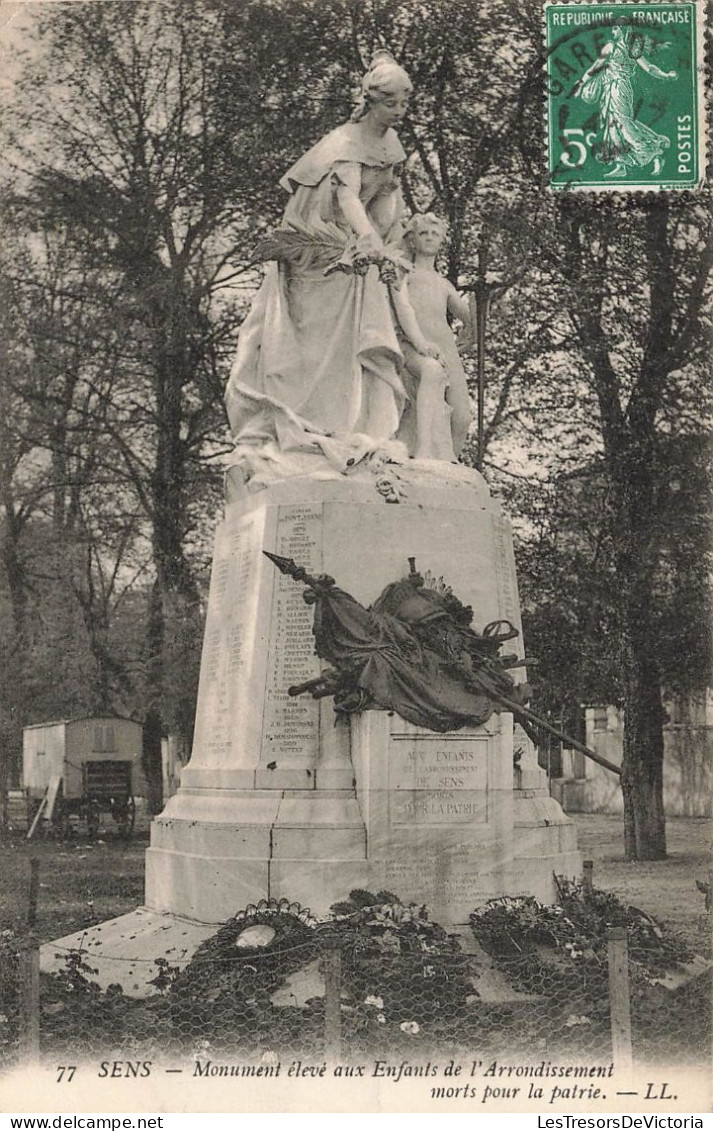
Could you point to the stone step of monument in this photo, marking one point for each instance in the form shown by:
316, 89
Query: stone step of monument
123, 951
490, 984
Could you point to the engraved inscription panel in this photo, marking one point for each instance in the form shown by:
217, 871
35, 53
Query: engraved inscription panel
291, 726
465, 890
451, 889
505, 569
410, 879
438, 762
229, 641
438, 807
438, 780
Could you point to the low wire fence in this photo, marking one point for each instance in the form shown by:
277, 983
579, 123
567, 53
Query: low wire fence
260, 994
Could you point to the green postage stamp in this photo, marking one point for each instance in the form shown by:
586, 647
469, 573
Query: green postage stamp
625, 96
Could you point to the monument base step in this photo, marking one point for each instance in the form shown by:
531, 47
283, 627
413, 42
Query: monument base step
123, 951
210, 888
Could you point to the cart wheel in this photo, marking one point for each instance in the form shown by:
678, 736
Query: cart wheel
127, 819
61, 824
92, 814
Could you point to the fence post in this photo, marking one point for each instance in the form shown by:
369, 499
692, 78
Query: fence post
332, 966
29, 1000
34, 891
587, 876
619, 1004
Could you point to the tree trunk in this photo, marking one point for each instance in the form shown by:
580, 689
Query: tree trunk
642, 765
151, 759
174, 598
4, 795
15, 575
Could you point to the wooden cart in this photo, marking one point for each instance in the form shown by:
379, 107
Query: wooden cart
76, 771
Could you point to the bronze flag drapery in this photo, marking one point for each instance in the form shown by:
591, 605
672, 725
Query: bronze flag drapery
413, 652
383, 656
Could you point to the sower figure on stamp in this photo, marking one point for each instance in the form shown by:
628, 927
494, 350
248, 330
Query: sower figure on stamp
431, 355
626, 142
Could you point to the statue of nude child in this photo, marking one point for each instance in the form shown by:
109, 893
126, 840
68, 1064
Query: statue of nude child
422, 305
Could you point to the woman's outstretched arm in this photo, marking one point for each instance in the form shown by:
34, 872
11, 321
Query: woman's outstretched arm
656, 72
354, 212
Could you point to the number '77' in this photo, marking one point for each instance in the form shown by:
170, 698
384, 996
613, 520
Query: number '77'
68, 1069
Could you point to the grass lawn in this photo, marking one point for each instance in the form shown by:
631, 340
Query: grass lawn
83, 881
80, 881
665, 889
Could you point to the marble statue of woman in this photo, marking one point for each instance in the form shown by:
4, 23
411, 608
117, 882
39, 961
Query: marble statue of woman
318, 357
626, 142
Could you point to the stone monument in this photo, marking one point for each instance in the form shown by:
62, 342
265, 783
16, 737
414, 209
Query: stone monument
282, 797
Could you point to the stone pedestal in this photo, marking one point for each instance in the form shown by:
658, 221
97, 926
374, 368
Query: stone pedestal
279, 799
438, 809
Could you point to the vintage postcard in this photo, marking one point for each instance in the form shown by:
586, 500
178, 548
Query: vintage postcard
356, 738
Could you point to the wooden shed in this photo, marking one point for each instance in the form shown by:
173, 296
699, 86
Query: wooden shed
83, 766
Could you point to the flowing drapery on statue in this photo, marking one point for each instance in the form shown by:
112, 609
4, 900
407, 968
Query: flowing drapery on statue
318, 352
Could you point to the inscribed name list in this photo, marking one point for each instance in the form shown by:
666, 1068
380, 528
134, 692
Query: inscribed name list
224, 697
291, 725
